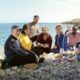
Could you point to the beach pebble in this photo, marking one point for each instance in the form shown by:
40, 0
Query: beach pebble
53, 70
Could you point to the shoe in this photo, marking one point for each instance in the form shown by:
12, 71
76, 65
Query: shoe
4, 65
41, 60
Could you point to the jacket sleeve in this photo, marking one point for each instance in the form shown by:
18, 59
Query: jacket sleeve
38, 39
50, 41
15, 46
55, 40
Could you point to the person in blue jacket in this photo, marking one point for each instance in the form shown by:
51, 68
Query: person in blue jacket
60, 40
15, 54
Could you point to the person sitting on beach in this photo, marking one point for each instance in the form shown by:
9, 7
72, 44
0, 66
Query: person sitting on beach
15, 54
24, 38
73, 37
34, 28
44, 42
59, 40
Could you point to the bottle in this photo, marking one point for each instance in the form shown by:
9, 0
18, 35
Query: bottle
61, 50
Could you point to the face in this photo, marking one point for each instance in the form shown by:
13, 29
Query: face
44, 30
15, 32
27, 31
59, 30
36, 19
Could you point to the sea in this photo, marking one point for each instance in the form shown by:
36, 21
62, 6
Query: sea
6, 27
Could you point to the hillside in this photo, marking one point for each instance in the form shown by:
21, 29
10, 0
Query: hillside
73, 21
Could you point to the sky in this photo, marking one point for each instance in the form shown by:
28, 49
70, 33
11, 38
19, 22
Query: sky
48, 10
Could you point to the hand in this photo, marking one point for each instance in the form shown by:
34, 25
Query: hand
41, 45
38, 44
46, 46
55, 46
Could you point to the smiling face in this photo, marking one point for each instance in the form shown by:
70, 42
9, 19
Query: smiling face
27, 31
15, 32
59, 29
44, 30
35, 19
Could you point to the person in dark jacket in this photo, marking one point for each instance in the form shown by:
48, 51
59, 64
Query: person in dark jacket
15, 54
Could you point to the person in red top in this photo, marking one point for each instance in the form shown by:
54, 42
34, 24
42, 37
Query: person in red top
44, 42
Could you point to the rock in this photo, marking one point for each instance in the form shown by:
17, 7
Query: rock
63, 70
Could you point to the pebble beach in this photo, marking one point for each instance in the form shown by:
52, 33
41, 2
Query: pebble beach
56, 70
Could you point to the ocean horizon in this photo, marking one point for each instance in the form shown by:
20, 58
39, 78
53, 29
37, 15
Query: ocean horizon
6, 27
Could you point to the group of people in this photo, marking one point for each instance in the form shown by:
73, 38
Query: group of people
19, 48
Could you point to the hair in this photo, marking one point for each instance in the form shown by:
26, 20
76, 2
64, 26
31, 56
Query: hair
20, 30
58, 26
24, 28
14, 27
36, 16
45, 27
74, 28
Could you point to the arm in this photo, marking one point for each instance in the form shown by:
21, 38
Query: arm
50, 41
55, 46
26, 42
15, 46
38, 41
38, 29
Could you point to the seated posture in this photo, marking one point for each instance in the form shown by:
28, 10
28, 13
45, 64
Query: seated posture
15, 53
73, 37
60, 40
44, 42
24, 38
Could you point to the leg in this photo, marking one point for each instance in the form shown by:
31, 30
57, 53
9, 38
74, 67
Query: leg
21, 60
46, 50
54, 50
38, 51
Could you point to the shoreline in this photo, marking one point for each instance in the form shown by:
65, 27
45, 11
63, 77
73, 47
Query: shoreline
1, 51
